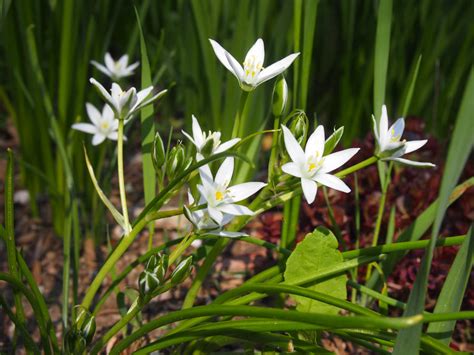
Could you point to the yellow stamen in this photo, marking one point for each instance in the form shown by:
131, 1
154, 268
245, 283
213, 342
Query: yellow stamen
312, 166
219, 196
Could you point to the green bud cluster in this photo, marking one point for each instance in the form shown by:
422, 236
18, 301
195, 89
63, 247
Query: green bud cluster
80, 335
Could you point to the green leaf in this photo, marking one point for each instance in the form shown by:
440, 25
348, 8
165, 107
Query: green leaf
382, 50
333, 140
408, 341
115, 213
317, 251
452, 293
411, 88
147, 128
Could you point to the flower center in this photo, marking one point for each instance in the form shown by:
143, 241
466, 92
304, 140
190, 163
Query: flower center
314, 162
219, 195
252, 67
104, 126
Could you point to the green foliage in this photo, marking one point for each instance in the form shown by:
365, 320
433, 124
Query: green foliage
317, 251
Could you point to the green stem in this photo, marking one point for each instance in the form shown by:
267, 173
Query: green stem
239, 123
123, 196
273, 154
328, 321
403, 246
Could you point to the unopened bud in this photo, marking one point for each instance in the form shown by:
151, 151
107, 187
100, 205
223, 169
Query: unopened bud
182, 271
147, 282
175, 161
299, 127
158, 156
280, 96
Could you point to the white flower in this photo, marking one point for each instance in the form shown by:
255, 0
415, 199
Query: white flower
208, 144
220, 198
115, 69
311, 166
203, 222
126, 103
252, 73
389, 145
103, 126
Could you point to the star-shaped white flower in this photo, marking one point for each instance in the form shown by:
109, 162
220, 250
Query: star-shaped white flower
104, 125
210, 143
389, 143
116, 69
220, 198
252, 73
311, 166
203, 222
126, 103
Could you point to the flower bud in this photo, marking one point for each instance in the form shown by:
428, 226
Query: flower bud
147, 282
333, 140
182, 271
299, 126
175, 161
158, 154
88, 329
162, 268
280, 96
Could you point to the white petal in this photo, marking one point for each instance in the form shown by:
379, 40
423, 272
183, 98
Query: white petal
123, 61
206, 175
335, 160
132, 67
292, 169
237, 69
242, 191
383, 126
190, 138
108, 113
190, 197
310, 188
294, 149
93, 113
101, 68
109, 61
396, 130
236, 210
227, 145
197, 132
143, 94
216, 215
315, 144
414, 145
97, 139
221, 55
225, 172
105, 95
150, 100
256, 53
85, 127
116, 90
332, 182
412, 163
114, 136
276, 68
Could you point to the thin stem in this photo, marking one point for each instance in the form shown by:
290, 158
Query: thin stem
123, 197
239, 122
273, 154
378, 223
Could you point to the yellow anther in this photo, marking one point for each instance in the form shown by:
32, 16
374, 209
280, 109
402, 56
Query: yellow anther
312, 166
219, 196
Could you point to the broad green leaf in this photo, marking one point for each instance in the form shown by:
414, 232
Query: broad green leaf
115, 213
317, 251
452, 293
408, 341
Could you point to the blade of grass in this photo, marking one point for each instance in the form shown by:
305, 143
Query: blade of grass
148, 132
10, 238
411, 89
408, 341
452, 293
